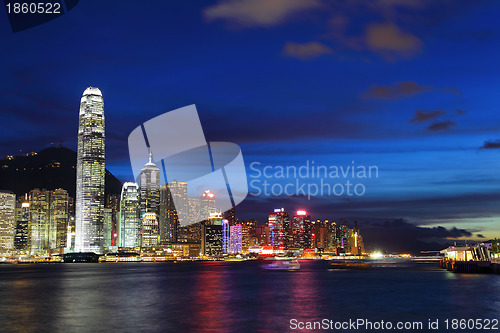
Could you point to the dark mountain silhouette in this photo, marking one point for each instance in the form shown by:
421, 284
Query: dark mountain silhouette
48, 169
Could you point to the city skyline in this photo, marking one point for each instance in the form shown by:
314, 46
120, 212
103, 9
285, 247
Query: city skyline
420, 105
250, 166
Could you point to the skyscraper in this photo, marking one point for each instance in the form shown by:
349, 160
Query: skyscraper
212, 235
225, 236
48, 214
22, 238
129, 226
236, 238
150, 235
207, 205
90, 173
39, 205
7, 220
301, 230
149, 201
171, 212
58, 219
108, 227
150, 186
113, 202
279, 229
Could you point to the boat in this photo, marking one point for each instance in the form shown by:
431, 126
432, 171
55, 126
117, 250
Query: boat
283, 265
348, 264
81, 257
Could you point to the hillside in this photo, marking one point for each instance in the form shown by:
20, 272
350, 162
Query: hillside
49, 169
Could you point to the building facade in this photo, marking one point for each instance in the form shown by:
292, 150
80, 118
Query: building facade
129, 228
90, 173
22, 237
7, 220
279, 229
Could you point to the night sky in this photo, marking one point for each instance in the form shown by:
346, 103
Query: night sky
409, 86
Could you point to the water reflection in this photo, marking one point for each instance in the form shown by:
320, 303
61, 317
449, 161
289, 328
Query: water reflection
229, 297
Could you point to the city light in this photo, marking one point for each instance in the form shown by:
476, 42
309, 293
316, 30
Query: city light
301, 212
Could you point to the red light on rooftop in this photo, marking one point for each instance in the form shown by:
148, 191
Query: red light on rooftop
211, 195
301, 212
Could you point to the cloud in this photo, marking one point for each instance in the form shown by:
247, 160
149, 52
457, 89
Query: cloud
306, 51
421, 115
407, 3
399, 235
441, 126
491, 145
459, 112
258, 13
389, 40
399, 90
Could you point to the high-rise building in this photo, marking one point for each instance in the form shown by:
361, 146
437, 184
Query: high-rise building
39, 204
90, 173
262, 233
332, 237
212, 236
355, 241
7, 220
113, 202
108, 227
342, 236
150, 187
207, 205
150, 236
246, 238
301, 231
149, 202
225, 236
178, 190
58, 218
48, 213
194, 209
252, 227
22, 237
279, 229
171, 211
231, 216
129, 229
236, 239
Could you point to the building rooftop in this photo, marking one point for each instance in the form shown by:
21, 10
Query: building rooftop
92, 91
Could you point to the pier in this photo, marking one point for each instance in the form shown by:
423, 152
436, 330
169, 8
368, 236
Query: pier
469, 259
471, 266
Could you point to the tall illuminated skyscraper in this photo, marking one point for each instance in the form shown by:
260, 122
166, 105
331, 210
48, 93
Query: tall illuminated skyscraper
150, 199
22, 238
235, 238
170, 212
90, 173
150, 188
129, 226
39, 205
279, 229
150, 236
7, 220
301, 230
58, 219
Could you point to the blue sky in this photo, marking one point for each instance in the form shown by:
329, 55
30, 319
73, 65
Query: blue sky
408, 86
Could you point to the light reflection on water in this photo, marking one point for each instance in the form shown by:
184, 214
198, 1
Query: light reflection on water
230, 296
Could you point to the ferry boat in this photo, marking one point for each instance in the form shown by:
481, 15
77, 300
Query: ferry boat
348, 264
283, 265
